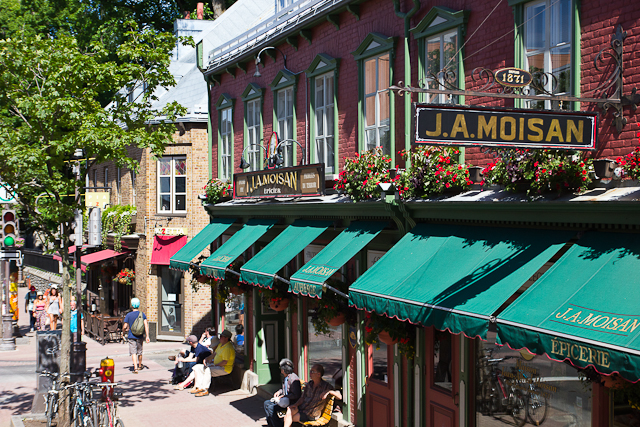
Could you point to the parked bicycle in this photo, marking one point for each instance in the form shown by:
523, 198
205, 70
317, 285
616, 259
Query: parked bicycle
84, 411
51, 399
107, 414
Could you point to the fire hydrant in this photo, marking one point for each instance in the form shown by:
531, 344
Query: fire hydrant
106, 371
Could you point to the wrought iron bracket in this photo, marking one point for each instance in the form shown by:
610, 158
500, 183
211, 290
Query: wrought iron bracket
608, 95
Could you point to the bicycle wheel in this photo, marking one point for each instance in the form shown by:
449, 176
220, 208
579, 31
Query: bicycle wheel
49, 411
519, 408
119, 423
537, 407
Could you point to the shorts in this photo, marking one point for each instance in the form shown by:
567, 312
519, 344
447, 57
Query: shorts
304, 417
135, 346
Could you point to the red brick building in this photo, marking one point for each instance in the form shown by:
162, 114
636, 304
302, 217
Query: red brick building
319, 73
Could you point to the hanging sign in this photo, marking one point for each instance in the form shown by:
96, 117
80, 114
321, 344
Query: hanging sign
170, 231
296, 181
478, 126
96, 199
513, 77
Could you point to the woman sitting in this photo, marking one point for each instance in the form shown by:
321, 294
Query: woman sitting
287, 395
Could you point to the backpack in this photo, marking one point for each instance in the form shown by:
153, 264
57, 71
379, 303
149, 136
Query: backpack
137, 328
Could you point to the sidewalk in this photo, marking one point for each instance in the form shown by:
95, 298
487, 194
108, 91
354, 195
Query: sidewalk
149, 400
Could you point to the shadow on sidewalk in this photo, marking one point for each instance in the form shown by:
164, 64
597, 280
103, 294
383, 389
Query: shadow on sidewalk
136, 391
251, 406
17, 401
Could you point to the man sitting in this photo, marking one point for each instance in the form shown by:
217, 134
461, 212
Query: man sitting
313, 399
190, 359
223, 360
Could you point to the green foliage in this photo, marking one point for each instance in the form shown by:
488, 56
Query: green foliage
116, 219
539, 171
433, 171
216, 189
403, 332
362, 173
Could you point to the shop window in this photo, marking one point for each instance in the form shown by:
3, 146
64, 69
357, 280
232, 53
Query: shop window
547, 42
172, 185
170, 303
323, 74
225, 137
252, 98
439, 36
326, 350
516, 387
376, 101
442, 352
234, 322
380, 359
284, 115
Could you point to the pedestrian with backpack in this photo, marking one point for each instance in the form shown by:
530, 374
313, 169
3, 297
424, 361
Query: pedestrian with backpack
136, 327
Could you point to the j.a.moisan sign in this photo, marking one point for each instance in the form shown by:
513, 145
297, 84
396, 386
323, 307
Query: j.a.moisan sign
296, 181
469, 126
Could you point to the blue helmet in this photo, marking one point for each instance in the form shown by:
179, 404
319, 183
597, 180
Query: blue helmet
135, 303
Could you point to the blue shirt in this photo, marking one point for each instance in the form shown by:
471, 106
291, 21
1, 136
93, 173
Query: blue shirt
129, 319
74, 321
201, 352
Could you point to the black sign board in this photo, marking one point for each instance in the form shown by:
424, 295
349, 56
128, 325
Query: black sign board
296, 181
48, 355
473, 126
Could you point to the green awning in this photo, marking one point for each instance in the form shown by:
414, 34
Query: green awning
204, 238
262, 268
452, 276
311, 277
217, 263
584, 309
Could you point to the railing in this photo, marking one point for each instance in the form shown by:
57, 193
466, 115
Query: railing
40, 260
103, 328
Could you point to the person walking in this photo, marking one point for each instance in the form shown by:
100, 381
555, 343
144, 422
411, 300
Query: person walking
54, 307
135, 342
73, 326
40, 312
29, 307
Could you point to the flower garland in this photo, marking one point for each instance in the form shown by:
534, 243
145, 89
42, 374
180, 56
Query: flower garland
216, 189
362, 173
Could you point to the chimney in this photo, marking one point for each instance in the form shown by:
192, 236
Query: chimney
200, 11
187, 14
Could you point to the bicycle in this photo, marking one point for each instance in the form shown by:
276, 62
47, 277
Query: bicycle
107, 411
51, 398
502, 396
84, 407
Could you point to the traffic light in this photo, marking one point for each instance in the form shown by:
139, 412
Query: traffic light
9, 228
95, 227
76, 225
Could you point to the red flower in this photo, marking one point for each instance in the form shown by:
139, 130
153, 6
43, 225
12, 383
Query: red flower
368, 329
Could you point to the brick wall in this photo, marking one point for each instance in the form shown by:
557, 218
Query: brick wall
488, 44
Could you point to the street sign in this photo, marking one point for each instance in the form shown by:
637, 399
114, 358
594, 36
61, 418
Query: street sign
10, 255
6, 196
96, 199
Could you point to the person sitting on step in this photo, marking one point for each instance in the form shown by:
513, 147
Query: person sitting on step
217, 365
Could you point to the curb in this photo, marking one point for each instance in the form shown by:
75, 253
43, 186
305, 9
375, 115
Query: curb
16, 420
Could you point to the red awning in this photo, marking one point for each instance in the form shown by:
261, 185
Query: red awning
92, 258
164, 247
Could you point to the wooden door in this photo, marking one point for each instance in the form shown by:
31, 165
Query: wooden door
442, 379
379, 389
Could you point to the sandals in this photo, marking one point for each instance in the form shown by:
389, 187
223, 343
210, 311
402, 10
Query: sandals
196, 391
203, 393
178, 387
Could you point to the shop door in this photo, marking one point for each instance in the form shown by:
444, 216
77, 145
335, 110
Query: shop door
441, 379
270, 342
379, 389
170, 292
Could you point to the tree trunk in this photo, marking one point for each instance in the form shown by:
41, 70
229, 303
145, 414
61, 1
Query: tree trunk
64, 418
218, 8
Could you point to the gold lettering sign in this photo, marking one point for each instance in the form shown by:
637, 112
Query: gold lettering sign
579, 352
469, 126
303, 288
605, 322
295, 181
319, 270
223, 259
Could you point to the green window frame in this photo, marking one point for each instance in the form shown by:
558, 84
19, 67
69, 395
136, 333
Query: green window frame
323, 83
376, 103
253, 97
284, 87
440, 35
556, 47
224, 106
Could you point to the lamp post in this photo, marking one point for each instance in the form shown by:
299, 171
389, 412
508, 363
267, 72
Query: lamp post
257, 73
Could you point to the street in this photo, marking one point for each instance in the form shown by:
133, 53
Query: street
149, 399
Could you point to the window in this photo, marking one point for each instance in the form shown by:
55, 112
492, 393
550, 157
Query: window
106, 177
133, 188
283, 4
95, 177
225, 137
284, 115
172, 185
439, 36
547, 46
323, 74
252, 98
375, 55
118, 186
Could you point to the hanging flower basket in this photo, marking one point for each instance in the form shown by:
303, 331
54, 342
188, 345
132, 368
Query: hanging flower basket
337, 320
202, 278
279, 304
236, 290
126, 276
386, 338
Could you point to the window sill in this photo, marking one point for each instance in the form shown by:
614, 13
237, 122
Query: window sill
174, 215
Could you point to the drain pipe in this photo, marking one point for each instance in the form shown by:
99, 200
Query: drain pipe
407, 69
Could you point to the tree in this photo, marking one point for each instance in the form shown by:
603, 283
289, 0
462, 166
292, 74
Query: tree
49, 110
